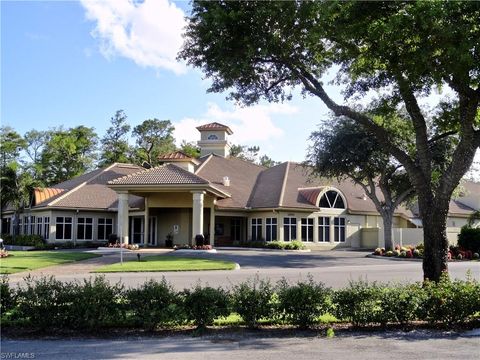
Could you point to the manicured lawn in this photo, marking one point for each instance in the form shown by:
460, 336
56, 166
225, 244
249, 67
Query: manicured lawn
31, 260
167, 263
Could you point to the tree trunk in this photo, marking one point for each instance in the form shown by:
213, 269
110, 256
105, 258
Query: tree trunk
387, 230
434, 219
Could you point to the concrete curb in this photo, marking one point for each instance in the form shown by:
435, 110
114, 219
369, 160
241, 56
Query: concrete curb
261, 249
191, 251
393, 258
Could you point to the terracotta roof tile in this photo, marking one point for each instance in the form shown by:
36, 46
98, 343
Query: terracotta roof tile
215, 126
242, 175
164, 174
177, 155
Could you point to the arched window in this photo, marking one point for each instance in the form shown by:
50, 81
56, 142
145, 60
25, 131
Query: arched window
332, 199
212, 137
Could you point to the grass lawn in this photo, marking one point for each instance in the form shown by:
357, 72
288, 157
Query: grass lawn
167, 263
30, 260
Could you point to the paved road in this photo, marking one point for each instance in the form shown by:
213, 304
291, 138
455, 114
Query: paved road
414, 345
334, 268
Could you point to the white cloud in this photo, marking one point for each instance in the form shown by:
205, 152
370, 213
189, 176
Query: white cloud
250, 125
149, 33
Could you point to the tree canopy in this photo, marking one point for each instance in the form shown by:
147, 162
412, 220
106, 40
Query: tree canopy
389, 54
115, 147
153, 138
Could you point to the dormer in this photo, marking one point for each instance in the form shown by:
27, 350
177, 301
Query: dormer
213, 139
179, 159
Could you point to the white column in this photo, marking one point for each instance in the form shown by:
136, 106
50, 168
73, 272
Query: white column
212, 225
197, 218
146, 224
332, 229
315, 229
299, 228
122, 221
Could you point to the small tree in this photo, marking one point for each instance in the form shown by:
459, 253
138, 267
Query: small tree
153, 138
344, 150
115, 147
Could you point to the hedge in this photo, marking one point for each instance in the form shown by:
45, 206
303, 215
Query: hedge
46, 303
469, 239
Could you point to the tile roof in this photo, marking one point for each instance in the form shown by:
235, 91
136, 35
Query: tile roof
215, 126
242, 174
167, 174
89, 191
177, 155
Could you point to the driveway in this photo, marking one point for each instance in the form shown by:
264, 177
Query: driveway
334, 268
374, 346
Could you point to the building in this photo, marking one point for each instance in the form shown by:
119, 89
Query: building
228, 200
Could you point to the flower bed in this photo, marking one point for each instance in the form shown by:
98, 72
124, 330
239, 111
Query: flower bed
416, 252
408, 252
192, 247
4, 253
125, 246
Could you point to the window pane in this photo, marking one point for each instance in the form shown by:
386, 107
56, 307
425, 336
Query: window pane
274, 231
59, 219
68, 231
59, 232
88, 232
80, 232
339, 204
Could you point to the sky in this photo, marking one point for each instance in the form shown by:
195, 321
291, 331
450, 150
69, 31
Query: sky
70, 63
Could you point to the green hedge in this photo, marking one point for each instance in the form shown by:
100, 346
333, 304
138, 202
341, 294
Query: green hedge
27, 240
469, 239
46, 303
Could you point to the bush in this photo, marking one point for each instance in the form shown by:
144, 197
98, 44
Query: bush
7, 296
252, 300
294, 245
302, 304
450, 302
400, 303
154, 304
359, 303
203, 304
45, 302
97, 303
27, 240
469, 239
275, 245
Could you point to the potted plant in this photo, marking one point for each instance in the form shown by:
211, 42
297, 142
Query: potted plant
169, 240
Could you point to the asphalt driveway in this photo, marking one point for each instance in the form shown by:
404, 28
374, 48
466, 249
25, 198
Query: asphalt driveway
334, 268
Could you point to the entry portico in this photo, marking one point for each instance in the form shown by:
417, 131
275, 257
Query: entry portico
169, 187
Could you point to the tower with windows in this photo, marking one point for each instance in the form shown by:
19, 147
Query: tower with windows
213, 139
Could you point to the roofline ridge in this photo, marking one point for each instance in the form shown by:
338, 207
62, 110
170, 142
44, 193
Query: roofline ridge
284, 184
111, 182
204, 163
63, 196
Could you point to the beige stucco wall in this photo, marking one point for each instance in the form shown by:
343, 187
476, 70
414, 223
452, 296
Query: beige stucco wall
369, 238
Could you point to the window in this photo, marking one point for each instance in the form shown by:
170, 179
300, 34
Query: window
6, 225
32, 225
339, 229
324, 229
105, 228
256, 229
289, 228
235, 229
26, 223
63, 228
271, 225
332, 199
307, 229
39, 226
20, 225
46, 227
84, 228
212, 137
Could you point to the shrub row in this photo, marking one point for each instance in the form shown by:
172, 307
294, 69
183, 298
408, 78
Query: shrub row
48, 303
469, 239
26, 240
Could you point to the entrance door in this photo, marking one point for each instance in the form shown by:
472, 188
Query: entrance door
136, 229
152, 230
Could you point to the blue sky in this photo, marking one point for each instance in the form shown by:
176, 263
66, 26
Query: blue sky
70, 63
